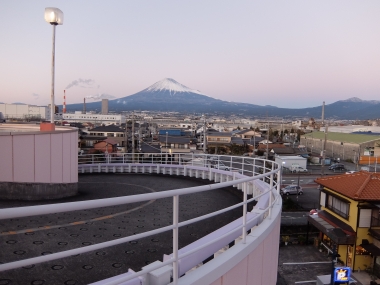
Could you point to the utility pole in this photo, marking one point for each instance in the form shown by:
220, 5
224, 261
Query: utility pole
267, 154
204, 134
324, 151
334, 257
282, 130
140, 137
133, 136
166, 146
126, 136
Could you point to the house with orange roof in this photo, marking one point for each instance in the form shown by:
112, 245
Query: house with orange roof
349, 218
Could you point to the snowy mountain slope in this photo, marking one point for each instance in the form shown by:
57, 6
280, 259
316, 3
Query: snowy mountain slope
169, 84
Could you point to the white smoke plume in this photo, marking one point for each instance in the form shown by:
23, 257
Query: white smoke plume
84, 83
100, 96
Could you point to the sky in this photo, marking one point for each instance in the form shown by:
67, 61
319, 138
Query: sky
290, 54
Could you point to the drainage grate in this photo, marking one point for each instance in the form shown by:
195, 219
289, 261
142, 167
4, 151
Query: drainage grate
57, 267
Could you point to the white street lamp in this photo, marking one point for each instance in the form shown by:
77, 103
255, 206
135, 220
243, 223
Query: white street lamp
53, 16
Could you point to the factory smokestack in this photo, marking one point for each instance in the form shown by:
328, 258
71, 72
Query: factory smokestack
323, 113
84, 106
64, 101
104, 106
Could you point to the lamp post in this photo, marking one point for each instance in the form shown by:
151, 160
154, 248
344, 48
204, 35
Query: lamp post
54, 17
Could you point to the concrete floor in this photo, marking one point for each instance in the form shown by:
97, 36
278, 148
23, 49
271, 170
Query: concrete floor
40, 235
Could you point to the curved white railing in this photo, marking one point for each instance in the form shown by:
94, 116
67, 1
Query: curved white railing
256, 177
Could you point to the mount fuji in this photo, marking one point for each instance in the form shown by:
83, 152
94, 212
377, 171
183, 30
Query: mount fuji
171, 96
168, 95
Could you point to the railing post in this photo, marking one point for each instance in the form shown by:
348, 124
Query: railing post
279, 180
175, 238
244, 212
270, 193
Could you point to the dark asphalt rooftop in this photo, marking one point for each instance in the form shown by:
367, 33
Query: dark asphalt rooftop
28, 237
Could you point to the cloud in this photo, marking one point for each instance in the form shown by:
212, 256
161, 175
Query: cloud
100, 96
84, 83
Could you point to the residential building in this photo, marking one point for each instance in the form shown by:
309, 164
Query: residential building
116, 133
173, 144
106, 146
248, 134
349, 218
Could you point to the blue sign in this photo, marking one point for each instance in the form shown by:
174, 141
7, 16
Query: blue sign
342, 274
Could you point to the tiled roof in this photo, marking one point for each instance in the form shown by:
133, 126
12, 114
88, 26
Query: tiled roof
271, 146
175, 139
360, 185
219, 134
283, 150
237, 140
109, 128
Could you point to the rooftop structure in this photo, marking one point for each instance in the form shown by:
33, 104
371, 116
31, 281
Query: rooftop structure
37, 164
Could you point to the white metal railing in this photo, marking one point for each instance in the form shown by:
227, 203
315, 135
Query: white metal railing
249, 170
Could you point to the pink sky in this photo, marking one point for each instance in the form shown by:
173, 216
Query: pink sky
284, 53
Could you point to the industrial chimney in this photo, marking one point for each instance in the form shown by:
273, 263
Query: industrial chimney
84, 106
104, 106
323, 113
64, 102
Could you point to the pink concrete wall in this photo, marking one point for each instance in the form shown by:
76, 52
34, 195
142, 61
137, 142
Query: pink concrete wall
42, 164
259, 267
74, 157
6, 164
39, 157
23, 158
66, 158
56, 158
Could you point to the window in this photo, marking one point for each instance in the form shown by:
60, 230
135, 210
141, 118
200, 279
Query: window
338, 206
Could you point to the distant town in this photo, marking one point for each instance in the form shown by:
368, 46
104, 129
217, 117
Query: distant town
108, 132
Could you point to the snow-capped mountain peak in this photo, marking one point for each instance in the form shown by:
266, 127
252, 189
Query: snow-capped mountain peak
353, 99
169, 84
357, 100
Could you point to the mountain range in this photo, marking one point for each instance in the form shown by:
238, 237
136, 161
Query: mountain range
171, 96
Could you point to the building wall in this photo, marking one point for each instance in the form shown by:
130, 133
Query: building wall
254, 263
334, 149
362, 260
17, 111
32, 160
353, 213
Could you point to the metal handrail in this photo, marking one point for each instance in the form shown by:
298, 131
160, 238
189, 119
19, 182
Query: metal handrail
73, 206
